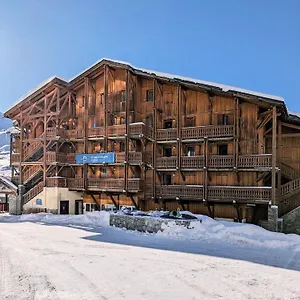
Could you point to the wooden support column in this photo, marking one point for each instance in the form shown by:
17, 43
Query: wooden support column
21, 148
237, 133
279, 146
45, 141
154, 144
179, 128
127, 89
205, 170
106, 107
274, 150
86, 113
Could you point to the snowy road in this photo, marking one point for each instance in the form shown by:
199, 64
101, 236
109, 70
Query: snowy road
46, 261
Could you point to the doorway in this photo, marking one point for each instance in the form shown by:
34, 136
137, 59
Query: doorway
78, 207
64, 207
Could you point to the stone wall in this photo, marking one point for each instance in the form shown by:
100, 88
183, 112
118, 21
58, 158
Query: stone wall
291, 221
144, 224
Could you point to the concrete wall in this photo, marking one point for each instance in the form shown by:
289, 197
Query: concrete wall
143, 223
291, 221
51, 197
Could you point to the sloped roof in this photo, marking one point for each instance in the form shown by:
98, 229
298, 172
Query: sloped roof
146, 72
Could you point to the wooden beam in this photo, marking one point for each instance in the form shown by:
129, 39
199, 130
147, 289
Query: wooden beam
264, 122
274, 150
290, 125
134, 203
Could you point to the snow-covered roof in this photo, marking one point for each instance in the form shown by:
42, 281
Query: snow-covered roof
147, 72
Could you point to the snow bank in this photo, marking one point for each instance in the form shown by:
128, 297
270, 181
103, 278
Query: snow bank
90, 219
211, 230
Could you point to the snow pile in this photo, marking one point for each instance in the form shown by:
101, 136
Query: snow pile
99, 219
211, 230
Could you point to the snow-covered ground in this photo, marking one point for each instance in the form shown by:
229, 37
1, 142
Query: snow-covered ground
80, 257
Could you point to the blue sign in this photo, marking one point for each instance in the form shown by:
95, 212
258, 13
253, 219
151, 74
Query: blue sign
38, 202
95, 158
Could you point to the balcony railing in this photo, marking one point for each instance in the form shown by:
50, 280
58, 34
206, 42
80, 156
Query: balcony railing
96, 132
56, 182
247, 162
33, 192
75, 183
166, 134
140, 129
166, 162
229, 193
192, 162
180, 191
117, 130
133, 157
31, 149
210, 131
114, 184
53, 157
255, 161
74, 133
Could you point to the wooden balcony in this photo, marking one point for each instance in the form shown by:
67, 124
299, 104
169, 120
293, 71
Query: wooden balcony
64, 158
114, 184
74, 134
215, 193
166, 135
180, 191
256, 162
56, 182
75, 183
134, 158
116, 130
96, 132
209, 131
166, 163
139, 130
239, 193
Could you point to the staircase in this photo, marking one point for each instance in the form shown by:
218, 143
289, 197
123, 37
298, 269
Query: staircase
289, 194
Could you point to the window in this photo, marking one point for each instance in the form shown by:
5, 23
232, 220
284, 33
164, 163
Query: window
122, 147
103, 172
223, 149
167, 151
122, 120
149, 96
149, 120
168, 124
123, 96
101, 98
225, 119
190, 122
191, 151
87, 207
167, 179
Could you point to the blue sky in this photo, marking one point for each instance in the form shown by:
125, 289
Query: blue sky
251, 44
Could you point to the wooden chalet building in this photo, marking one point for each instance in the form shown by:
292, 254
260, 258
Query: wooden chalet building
173, 142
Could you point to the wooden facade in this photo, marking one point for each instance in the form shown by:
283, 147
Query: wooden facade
177, 143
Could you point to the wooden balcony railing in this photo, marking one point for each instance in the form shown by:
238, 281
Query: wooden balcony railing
56, 182
74, 134
166, 162
15, 158
255, 161
31, 149
192, 162
114, 184
140, 129
117, 130
31, 172
180, 191
229, 193
166, 134
33, 192
288, 171
75, 183
290, 188
210, 131
53, 157
220, 161
96, 132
